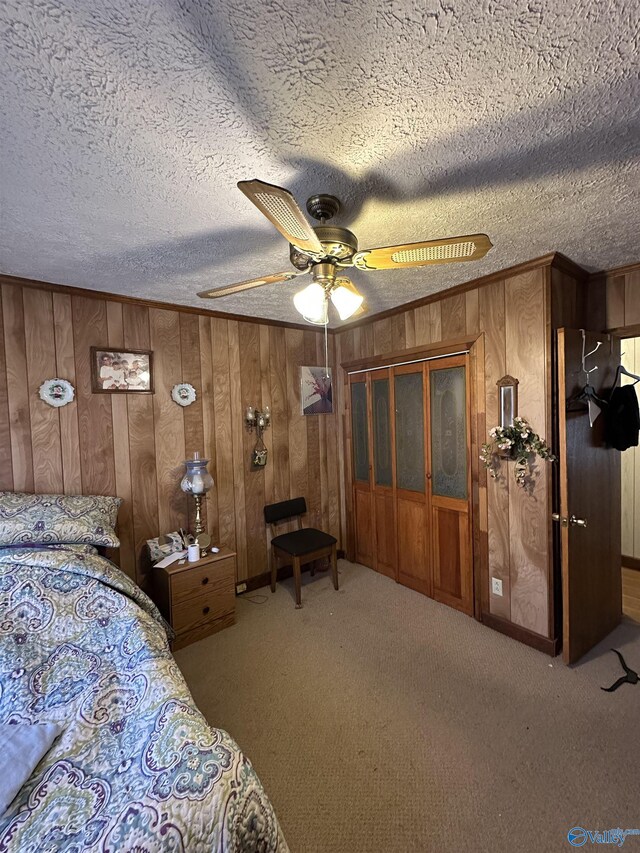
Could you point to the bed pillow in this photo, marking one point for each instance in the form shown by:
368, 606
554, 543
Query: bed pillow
70, 519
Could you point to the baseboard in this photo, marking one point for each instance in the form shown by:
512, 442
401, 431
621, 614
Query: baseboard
517, 632
631, 563
284, 572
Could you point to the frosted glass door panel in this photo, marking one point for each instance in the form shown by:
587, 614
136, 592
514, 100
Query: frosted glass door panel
449, 433
360, 430
409, 432
381, 433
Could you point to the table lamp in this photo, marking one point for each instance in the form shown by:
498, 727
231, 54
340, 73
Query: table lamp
197, 481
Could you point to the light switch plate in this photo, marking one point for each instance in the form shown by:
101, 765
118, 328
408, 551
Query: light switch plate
496, 586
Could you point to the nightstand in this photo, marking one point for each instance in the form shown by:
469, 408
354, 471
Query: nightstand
197, 599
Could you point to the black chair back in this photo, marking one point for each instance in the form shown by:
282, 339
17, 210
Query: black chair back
273, 513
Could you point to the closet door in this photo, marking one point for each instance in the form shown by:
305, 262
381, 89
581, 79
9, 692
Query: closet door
383, 498
450, 483
361, 455
411, 482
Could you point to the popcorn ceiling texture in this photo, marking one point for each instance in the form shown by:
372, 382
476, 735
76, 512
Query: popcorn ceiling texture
126, 125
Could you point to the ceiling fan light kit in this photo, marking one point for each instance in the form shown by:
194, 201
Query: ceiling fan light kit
346, 298
326, 250
312, 304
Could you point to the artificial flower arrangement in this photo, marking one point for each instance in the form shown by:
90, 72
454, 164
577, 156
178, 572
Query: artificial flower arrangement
518, 442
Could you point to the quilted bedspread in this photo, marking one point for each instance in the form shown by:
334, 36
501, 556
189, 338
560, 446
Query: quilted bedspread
136, 767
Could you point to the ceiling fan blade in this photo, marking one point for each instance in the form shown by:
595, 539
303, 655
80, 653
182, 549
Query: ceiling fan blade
281, 209
467, 248
228, 289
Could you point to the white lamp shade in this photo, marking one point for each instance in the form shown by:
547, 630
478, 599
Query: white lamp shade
312, 303
346, 299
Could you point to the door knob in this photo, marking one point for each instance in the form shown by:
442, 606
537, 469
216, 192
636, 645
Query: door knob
557, 517
578, 522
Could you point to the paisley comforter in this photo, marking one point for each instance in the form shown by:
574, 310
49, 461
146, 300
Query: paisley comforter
136, 766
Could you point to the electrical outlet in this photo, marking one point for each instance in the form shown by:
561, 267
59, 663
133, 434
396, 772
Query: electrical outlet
242, 587
496, 586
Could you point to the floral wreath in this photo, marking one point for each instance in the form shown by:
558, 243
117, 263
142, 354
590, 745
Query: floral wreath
518, 442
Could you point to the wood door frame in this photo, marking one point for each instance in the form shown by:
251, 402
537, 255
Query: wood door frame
475, 345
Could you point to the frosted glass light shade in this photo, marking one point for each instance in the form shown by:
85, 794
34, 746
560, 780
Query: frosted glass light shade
312, 303
346, 299
197, 480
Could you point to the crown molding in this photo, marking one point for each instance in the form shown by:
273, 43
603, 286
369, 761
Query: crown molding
552, 259
150, 303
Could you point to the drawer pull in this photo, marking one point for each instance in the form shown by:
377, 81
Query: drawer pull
205, 610
204, 581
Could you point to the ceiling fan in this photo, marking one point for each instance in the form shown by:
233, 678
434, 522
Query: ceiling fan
326, 250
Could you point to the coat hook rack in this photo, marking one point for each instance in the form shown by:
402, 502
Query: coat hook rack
587, 355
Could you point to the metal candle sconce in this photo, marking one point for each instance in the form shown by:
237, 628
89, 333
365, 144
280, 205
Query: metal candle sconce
197, 481
508, 400
258, 421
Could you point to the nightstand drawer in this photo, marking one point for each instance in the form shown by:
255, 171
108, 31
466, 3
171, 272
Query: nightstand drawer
214, 600
194, 583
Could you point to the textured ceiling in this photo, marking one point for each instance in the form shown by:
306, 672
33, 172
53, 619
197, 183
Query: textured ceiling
126, 125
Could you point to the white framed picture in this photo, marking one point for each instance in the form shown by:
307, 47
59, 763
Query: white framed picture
316, 392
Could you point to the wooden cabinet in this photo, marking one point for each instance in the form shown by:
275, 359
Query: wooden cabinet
197, 599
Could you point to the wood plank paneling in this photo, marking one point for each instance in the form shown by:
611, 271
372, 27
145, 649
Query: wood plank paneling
192, 415
95, 425
453, 312
134, 445
122, 457
265, 393
382, 337
6, 471
237, 408
66, 369
17, 388
298, 471
312, 423
632, 299
492, 321
528, 511
41, 364
208, 423
224, 469
168, 418
279, 412
142, 449
254, 491
422, 325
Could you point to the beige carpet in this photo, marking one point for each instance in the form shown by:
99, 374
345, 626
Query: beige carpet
382, 722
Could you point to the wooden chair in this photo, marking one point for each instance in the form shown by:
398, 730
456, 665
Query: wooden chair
302, 546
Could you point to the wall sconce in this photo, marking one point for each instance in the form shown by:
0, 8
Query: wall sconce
507, 400
197, 482
258, 421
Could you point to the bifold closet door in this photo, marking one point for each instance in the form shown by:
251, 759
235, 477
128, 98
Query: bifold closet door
383, 497
450, 484
410, 406
362, 495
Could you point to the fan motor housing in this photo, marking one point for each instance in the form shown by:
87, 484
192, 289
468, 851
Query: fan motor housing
339, 244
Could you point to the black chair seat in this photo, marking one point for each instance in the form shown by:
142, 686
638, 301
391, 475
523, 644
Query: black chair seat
305, 541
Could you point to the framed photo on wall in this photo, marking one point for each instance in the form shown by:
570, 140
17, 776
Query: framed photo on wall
316, 393
121, 371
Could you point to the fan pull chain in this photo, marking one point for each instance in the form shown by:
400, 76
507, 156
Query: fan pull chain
326, 351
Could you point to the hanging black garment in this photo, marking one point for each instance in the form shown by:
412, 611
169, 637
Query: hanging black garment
622, 424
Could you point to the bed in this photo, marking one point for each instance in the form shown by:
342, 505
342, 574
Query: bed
136, 766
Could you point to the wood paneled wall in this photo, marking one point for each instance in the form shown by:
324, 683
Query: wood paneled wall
630, 465
133, 445
623, 297
513, 314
